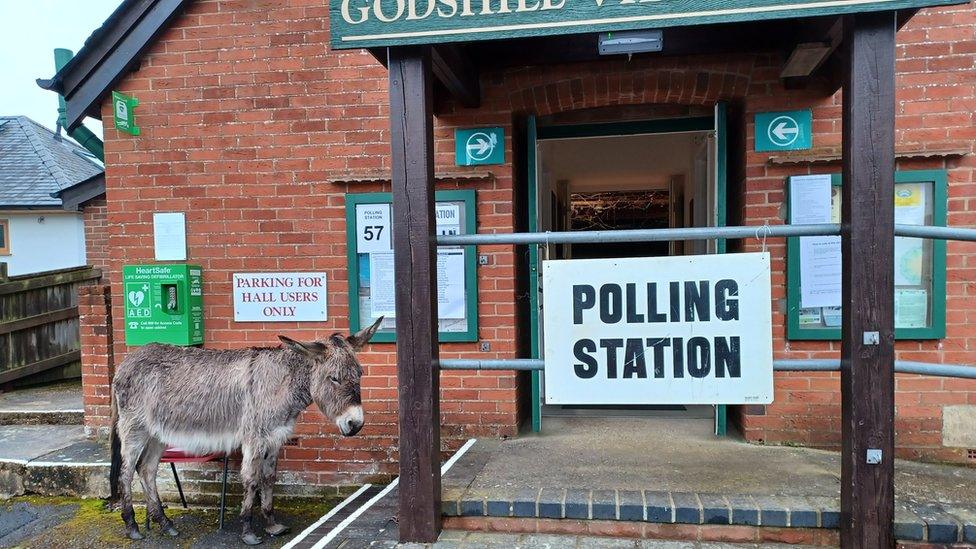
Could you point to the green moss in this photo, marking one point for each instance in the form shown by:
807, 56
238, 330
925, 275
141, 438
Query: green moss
92, 524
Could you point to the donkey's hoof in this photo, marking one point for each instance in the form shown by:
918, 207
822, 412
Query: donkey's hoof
277, 529
250, 539
171, 532
134, 535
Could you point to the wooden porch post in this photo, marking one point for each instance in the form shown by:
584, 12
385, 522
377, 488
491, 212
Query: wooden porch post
412, 138
867, 241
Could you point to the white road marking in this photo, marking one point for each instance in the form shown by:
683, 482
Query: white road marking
349, 520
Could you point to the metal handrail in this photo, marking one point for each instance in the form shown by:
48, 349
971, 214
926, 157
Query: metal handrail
694, 233
781, 365
640, 235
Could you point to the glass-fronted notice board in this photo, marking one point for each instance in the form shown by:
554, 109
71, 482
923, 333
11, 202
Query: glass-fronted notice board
372, 282
814, 263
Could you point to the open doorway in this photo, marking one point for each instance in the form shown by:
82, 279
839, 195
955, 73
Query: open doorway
628, 180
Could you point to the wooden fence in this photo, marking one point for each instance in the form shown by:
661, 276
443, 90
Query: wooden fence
39, 321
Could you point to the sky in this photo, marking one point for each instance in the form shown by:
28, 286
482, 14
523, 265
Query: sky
31, 29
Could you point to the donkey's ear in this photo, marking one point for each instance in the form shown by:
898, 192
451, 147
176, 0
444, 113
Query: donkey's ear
296, 346
360, 338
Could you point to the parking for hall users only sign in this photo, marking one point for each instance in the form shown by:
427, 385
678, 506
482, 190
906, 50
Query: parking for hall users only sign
669, 330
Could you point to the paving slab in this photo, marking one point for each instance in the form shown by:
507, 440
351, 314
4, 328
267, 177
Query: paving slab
24, 443
59, 404
63, 397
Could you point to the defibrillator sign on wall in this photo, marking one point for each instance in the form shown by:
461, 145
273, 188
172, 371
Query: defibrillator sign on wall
669, 330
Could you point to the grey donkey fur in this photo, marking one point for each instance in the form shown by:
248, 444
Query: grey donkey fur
208, 400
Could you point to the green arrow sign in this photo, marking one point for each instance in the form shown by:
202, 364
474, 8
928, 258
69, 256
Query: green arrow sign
784, 131
479, 146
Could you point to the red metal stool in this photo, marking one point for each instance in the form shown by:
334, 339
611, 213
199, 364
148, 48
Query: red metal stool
176, 455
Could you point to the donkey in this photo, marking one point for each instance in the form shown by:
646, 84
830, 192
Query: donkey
207, 400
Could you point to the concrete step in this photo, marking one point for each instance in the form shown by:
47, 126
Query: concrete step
51, 460
57, 460
59, 404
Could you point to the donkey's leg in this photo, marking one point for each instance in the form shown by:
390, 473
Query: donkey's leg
148, 467
269, 474
133, 440
252, 454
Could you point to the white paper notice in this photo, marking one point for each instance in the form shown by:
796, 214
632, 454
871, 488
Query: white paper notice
448, 218
820, 261
450, 283
820, 269
169, 236
809, 199
373, 226
382, 287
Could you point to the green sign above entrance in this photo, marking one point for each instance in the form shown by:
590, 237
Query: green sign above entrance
123, 110
372, 23
479, 146
784, 131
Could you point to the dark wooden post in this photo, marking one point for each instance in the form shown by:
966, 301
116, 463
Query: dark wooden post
412, 137
867, 241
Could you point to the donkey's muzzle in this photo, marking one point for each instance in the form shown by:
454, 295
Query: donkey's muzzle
351, 421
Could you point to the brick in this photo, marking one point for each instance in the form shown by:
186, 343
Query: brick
603, 505
577, 504
687, 508
658, 506
630, 505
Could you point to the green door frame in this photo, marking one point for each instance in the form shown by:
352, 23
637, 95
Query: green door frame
535, 133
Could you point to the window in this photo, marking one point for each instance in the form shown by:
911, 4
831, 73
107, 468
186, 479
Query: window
370, 255
4, 237
920, 265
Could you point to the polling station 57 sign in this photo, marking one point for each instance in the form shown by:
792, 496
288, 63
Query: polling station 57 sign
669, 330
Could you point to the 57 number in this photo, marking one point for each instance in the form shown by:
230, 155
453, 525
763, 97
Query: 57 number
372, 232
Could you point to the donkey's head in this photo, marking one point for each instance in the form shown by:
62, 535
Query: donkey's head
335, 374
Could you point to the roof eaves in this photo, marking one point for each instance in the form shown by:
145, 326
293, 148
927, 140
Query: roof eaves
109, 54
72, 197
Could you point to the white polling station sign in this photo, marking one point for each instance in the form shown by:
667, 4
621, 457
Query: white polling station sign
280, 297
668, 330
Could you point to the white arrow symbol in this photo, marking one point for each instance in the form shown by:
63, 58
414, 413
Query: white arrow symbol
479, 147
781, 131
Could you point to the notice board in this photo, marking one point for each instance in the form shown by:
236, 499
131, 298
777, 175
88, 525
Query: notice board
372, 280
661, 330
814, 301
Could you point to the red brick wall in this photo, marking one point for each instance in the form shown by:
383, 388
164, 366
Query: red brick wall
97, 360
95, 215
936, 74
247, 117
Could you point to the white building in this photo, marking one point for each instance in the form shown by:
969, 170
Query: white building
38, 231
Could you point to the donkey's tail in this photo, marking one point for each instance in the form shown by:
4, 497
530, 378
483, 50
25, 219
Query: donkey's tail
116, 445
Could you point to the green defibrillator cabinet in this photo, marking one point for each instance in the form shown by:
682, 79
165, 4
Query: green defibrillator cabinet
163, 304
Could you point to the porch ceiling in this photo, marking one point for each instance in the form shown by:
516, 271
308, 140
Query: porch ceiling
458, 66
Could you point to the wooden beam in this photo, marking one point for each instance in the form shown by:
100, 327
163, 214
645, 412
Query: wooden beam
458, 74
412, 137
14, 374
49, 317
817, 43
867, 243
22, 283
